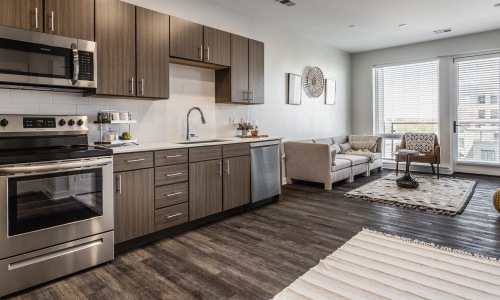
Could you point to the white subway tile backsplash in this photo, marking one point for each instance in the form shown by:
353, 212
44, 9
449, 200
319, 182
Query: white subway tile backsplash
20, 96
69, 98
60, 109
20, 108
4, 96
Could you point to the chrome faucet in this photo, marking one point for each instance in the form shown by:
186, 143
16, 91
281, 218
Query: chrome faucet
203, 121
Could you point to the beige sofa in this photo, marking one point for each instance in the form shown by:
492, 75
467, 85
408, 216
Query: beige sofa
311, 160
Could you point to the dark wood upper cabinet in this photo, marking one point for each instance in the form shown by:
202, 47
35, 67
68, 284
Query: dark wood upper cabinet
217, 46
205, 188
236, 184
24, 14
186, 39
71, 18
256, 71
244, 81
152, 53
116, 24
195, 42
115, 38
134, 203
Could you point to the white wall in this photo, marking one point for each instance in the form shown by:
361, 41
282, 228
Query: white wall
362, 86
165, 120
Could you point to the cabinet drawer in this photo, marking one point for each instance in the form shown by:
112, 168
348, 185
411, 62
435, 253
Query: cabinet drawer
172, 194
236, 150
171, 157
132, 161
205, 153
171, 216
171, 174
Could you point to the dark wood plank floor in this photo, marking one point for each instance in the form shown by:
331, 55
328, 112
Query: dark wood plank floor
256, 254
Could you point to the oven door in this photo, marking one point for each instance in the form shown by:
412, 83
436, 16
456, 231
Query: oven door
47, 204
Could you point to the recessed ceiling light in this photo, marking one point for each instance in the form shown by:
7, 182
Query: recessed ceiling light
351, 26
402, 25
442, 30
497, 5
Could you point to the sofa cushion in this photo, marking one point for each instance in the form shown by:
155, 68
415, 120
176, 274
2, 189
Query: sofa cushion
345, 147
341, 139
336, 147
327, 141
340, 164
355, 159
377, 156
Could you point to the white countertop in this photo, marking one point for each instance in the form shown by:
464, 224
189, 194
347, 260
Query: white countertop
173, 145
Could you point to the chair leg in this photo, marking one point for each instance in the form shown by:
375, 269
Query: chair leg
433, 171
397, 167
438, 170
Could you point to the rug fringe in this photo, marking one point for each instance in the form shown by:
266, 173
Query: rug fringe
432, 245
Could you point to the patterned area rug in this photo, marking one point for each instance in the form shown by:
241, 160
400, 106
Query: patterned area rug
375, 265
446, 195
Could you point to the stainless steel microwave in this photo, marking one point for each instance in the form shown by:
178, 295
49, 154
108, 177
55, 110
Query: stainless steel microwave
46, 61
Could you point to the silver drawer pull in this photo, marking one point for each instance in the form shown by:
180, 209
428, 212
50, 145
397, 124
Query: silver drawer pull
175, 174
173, 156
135, 160
176, 215
174, 194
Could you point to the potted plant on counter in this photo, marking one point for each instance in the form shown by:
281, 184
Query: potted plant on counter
244, 127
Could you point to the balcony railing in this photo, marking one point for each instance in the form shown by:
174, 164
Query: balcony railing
394, 130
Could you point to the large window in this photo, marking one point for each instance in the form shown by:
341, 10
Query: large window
477, 90
405, 100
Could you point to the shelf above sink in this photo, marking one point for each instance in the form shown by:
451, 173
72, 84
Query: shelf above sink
203, 142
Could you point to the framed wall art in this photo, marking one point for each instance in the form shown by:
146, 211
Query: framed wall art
294, 89
330, 91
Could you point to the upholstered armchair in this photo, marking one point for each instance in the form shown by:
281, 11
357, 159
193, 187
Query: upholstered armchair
433, 156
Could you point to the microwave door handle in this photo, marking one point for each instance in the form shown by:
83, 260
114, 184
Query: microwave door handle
76, 64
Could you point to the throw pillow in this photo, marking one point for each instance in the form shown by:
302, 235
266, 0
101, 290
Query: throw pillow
374, 148
421, 142
345, 147
362, 141
333, 152
336, 147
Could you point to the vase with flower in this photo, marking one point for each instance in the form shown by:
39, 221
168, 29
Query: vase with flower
244, 127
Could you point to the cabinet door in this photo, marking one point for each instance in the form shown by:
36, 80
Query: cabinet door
134, 204
24, 14
239, 69
236, 183
72, 18
256, 71
152, 53
186, 39
115, 38
217, 45
205, 188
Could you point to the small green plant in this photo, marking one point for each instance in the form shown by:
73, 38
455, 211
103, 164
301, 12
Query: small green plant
244, 126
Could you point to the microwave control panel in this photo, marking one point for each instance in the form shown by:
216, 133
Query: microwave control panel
86, 60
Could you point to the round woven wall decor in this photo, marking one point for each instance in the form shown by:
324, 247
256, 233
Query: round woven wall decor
313, 82
496, 200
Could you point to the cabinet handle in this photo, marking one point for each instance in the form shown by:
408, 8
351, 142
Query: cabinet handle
52, 21
36, 17
174, 194
250, 98
175, 215
208, 53
142, 87
119, 184
201, 53
220, 168
245, 95
175, 174
132, 86
227, 171
173, 156
135, 160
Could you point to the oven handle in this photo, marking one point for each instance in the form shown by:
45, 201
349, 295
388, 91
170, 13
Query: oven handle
56, 167
76, 64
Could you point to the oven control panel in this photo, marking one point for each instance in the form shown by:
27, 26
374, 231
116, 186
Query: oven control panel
33, 123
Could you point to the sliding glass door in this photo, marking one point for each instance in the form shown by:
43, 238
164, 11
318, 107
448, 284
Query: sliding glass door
477, 106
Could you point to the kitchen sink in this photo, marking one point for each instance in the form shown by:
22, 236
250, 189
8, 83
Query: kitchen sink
203, 142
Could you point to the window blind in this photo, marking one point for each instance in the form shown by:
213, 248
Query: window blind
477, 93
405, 100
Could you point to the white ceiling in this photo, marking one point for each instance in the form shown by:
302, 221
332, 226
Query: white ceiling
376, 21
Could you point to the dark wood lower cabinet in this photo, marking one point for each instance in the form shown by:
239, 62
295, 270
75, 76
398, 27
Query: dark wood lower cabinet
205, 188
134, 204
236, 183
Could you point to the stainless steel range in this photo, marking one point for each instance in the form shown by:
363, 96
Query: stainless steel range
56, 200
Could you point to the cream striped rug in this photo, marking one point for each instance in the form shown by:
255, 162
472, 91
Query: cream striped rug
374, 265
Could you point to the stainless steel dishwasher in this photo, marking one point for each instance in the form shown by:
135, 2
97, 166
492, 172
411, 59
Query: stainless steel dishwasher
266, 170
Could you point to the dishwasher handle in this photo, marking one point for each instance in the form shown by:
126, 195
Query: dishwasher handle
265, 144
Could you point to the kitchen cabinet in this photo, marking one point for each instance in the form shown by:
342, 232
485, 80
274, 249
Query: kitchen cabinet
236, 182
244, 81
116, 24
196, 42
71, 18
134, 204
205, 188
